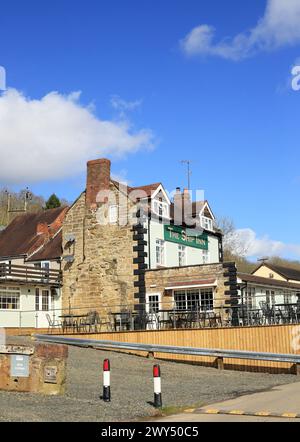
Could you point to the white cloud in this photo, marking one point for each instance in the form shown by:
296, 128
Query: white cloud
122, 105
51, 138
278, 27
247, 240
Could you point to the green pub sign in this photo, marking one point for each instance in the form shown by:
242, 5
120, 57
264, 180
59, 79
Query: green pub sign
186, 237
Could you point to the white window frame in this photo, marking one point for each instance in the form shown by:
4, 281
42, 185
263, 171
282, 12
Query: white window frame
161, 208
11, 292
43, 293
207, 223
182, 251
113, 213
161, 244
148, 301
205, 257
194, 292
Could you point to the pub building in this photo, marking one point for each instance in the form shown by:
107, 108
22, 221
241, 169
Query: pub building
152, 252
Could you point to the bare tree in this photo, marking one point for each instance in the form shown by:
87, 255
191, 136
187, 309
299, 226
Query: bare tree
232, 241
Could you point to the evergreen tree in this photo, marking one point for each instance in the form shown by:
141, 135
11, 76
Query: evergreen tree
53, 202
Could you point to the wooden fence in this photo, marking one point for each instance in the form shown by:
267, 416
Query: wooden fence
270, 339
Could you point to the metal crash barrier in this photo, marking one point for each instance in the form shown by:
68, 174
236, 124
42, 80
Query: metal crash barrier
152, 348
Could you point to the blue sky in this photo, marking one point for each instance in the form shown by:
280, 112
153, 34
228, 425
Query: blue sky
180, 91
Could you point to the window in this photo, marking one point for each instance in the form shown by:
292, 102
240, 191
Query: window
250, 297
207, 223
182, 256
205, 256
153, 304
196, 299
160, 252
160, 208
287, 297
113, 214
9, 298
37, 299
45, 300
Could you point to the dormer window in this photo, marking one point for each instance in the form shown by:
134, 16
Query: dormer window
161, 208
206, 223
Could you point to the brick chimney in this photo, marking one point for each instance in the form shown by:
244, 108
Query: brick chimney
98, 178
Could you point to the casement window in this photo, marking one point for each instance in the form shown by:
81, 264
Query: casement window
113, 214
45, 300
181, 256
160, 208
160, 252
207, 223
205, 256
194, 299
10, 298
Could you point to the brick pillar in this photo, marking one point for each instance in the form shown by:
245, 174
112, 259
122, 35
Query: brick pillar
98, 179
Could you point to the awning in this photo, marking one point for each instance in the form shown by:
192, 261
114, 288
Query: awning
193, 284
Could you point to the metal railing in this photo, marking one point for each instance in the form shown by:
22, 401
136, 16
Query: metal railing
188, 351
149, 316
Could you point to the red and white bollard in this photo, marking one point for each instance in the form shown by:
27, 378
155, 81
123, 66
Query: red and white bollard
157, 387
106, 381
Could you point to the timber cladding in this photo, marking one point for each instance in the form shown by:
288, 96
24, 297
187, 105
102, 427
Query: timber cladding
270, 339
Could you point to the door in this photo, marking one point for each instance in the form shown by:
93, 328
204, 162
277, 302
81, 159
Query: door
153, 301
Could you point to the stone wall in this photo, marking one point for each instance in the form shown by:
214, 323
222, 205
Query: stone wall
158, 280
101, 276
43, 359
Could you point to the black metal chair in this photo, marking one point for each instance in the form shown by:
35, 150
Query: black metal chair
52, 323
89, 322
122, 321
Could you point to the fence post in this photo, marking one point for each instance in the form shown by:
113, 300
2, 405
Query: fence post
220, 363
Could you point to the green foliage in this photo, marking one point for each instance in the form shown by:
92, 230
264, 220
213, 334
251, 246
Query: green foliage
53, 202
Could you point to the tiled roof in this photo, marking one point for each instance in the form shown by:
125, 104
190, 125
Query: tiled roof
286, 272
50, 251
149, 189
21, 238
268, 281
